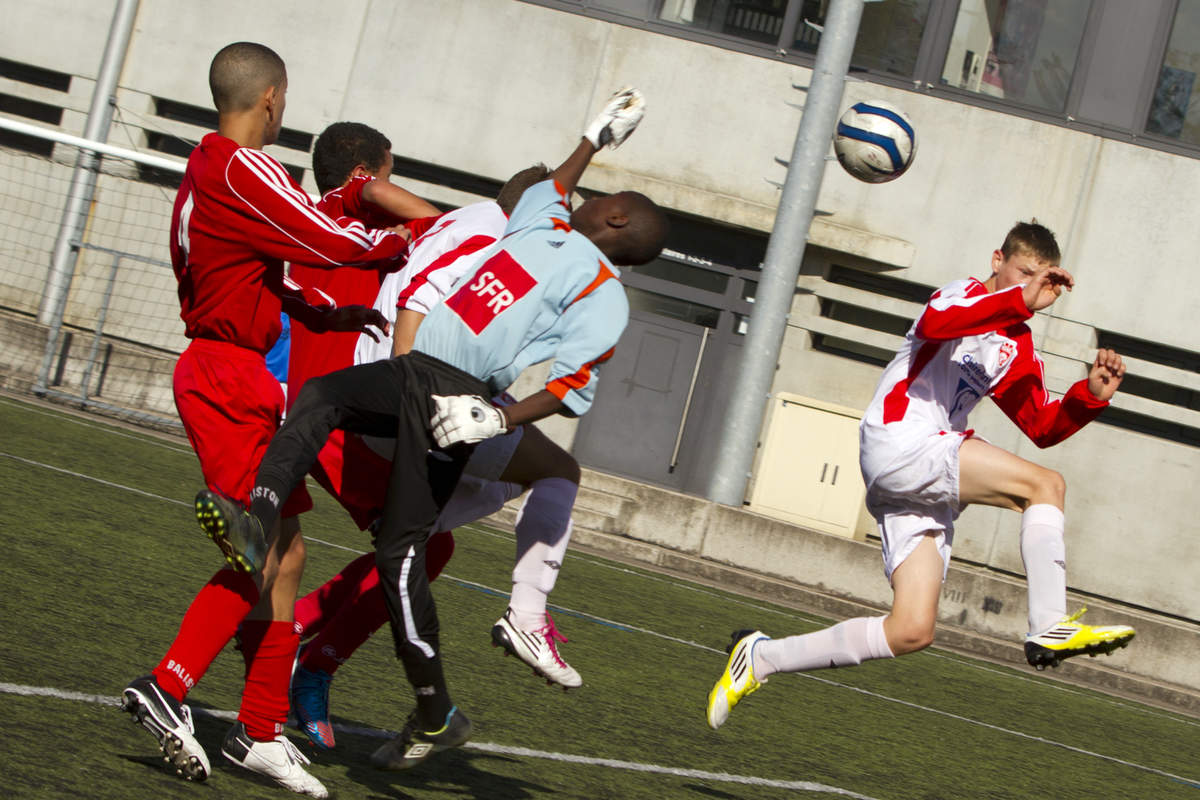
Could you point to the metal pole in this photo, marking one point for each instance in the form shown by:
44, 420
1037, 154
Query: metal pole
785, 252
83, 182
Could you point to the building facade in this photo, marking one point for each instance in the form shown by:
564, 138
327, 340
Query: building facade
1076, 113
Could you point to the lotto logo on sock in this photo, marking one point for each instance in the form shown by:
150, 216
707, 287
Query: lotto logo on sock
499, 283
175, 668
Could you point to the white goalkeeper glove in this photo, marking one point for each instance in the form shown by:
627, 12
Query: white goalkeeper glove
618, 119
465, 418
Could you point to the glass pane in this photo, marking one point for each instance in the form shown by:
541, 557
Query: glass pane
1173, 112
889, 35
756, 20
675, 272
1019, 50
673, 307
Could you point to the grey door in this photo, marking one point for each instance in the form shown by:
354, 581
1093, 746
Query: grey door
638, 416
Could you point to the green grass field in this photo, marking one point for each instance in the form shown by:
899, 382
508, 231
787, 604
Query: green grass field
101, 555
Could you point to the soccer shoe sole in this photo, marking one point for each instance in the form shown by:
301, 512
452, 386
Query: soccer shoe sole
238, 551
1040, 657
500, 638
188, 766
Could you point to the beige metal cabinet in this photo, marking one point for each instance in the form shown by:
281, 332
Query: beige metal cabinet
808, 472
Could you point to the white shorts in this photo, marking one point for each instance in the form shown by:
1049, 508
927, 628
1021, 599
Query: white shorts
917, 494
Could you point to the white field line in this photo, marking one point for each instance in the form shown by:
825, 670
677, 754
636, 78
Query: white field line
484, 747
696, 645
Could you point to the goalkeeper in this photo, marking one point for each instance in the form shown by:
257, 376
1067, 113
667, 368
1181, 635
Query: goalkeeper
548, 290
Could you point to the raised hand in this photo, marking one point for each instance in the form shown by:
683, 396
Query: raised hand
1106, 374
1046, 286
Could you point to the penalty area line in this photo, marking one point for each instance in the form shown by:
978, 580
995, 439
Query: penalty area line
483, 747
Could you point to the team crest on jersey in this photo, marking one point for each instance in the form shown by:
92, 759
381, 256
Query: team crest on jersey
1007, 350
495, 286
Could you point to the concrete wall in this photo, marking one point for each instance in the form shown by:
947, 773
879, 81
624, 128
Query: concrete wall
488, 86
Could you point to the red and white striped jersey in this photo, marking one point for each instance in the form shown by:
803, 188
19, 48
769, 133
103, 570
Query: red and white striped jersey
238, 217
967, 344
448, 249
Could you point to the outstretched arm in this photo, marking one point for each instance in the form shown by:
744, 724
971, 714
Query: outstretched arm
611, 127
397, 201
568, 173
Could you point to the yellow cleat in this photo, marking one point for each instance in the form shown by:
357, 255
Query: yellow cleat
1068, 638
737, 680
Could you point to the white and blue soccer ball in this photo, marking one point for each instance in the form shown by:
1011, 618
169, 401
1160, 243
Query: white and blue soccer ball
875, 142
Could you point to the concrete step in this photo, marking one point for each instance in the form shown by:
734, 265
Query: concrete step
601, 501
584, 518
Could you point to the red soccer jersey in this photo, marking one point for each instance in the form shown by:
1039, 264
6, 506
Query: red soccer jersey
238, 216
312, 356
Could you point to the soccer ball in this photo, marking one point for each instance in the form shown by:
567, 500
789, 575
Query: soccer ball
875, 142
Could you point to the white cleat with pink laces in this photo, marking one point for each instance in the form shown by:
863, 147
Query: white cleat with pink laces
537, 648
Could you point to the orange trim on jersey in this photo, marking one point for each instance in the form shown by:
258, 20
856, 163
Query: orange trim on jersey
561, 225
566, 197
577, 380
604, 274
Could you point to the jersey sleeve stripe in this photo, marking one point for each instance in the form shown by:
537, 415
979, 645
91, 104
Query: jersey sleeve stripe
604, 274
275, 176
355, 233
578, 379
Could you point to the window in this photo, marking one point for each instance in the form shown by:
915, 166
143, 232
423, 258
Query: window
1018, 50
889, 34
1173, 111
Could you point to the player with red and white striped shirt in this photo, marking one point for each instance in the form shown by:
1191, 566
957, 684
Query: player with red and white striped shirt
238, 217
922, 466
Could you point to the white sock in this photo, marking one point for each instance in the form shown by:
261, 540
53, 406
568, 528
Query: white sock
846, 644
473, 499
543, 532
1045, 557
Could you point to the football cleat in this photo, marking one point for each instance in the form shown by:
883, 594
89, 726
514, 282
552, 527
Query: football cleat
171, 723
1069, 638
412, 746
239, 535
310, 705
278, 759
737, 680
537, 648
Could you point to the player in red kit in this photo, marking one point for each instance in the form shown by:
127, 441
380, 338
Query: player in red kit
238, 217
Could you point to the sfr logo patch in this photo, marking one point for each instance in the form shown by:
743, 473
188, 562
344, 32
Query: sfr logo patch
495, 286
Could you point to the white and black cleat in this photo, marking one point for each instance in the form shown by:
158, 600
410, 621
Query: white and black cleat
538, 649
170, 721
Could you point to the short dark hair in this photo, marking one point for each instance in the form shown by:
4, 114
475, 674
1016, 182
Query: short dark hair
512, 190
1034, 239
242, 71
644, 235
343, 146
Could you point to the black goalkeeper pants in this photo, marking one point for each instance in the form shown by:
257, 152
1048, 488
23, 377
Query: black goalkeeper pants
390, 398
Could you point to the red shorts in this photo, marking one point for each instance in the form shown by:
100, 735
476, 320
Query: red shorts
230, 406
355, 475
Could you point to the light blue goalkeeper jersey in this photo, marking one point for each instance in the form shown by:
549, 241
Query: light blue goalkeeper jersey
542, 292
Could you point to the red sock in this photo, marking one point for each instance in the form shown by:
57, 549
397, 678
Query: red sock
211, 621
363, 609
268, 648
317, 607
353, 624
438, 550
